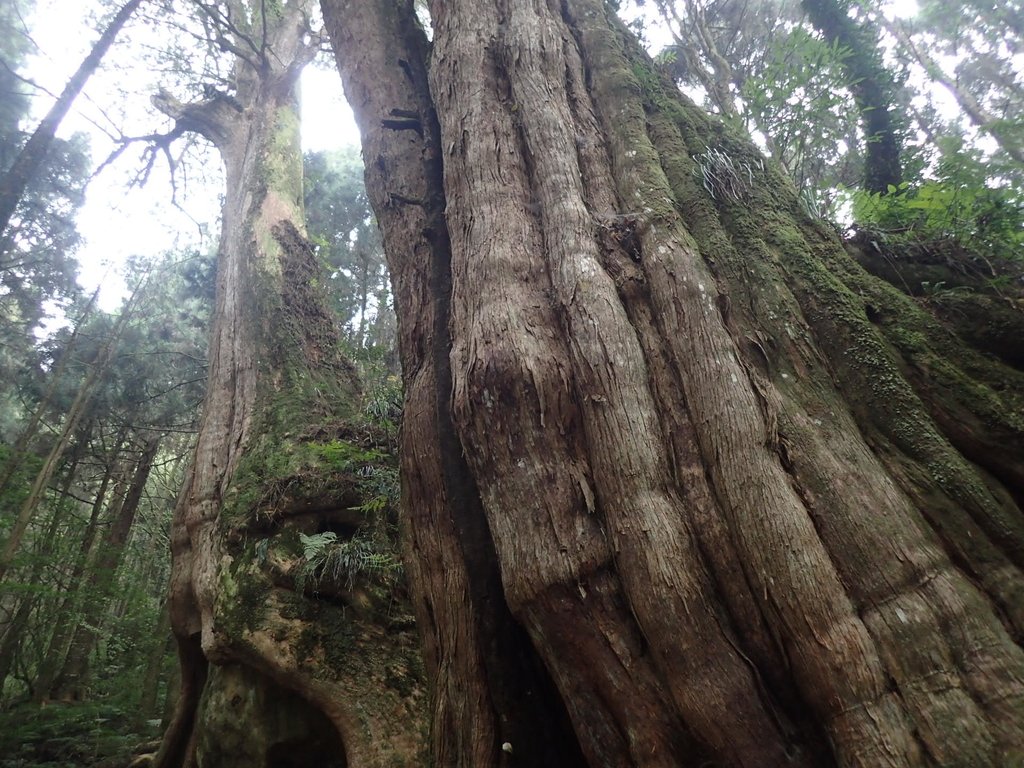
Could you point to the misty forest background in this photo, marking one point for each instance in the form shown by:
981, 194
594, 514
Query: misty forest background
99, 409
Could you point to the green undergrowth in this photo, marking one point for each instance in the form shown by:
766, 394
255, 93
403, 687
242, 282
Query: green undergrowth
277, 474
315, 441
961, 205
95, 734
289, 470
17, 487
370, 557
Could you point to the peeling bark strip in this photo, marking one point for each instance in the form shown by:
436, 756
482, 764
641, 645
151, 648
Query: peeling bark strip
733, 515
278, 438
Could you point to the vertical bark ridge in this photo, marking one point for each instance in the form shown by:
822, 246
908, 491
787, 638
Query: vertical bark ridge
930, 596
724, 474
513, 393
976, 401
398, 168
835, 484
483, 668
785, 558
689, 472
662, 571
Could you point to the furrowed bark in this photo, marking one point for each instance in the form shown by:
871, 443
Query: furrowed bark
739, 491
482, 665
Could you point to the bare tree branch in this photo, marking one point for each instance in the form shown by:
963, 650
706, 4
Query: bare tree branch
223, 24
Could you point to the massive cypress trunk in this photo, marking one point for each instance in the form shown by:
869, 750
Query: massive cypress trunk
274, 671
748, 504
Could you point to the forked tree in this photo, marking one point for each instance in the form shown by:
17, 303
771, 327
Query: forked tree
683, 484
276, 669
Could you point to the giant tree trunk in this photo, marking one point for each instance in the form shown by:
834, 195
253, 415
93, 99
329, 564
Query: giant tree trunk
749, 504
280, 452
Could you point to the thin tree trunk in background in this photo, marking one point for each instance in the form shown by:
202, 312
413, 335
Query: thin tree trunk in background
970, 105
27, 162
15, 632
18, 450
56, 648
871, 85
101, 580
163, 645
78, 409
28, 507
694, 39
364, 282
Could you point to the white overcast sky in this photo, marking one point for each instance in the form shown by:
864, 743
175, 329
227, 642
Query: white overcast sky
119, 221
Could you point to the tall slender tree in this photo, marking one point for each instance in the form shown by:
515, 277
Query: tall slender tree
16, 178
341, 223
102, 579
77, 411
1004, 128
872, 86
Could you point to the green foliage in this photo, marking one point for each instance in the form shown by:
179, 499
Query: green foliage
361, 558
723, 177
17, 488
14, 44
961, 205
796, 98
383, 405
368, 556
37, 264
66, 736
153, 385
342, 226
381, 489
342, 456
